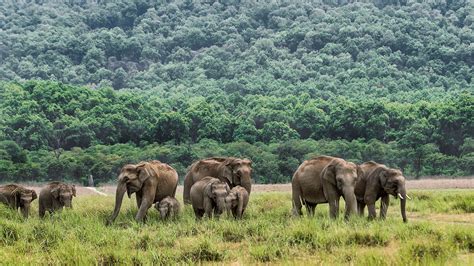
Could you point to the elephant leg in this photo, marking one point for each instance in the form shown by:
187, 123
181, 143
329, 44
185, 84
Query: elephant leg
384, 202
310, 208
334, 208
372, 212
208, 207
42, 210
148, 195
138, 196
199, 213
361, 208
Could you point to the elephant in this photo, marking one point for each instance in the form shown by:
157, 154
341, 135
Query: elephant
237, 201
17, 197
208, 196
168, 208
55, 196
150, 181
379, 181
233, 171
325, 179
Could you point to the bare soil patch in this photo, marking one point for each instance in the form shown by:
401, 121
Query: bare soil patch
80, 191
461, 183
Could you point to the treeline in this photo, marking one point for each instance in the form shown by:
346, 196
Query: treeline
51, 130
397, 49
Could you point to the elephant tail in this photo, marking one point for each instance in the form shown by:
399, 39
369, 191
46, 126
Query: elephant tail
188, 182
297, 198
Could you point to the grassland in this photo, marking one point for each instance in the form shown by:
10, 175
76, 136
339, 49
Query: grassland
440, 231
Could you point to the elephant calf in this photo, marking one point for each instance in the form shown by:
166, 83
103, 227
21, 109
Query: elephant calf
55, 196
236, 201
17, 197
168, 208
208, 196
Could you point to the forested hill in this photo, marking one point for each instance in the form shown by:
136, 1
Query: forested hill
404, 52
87, 88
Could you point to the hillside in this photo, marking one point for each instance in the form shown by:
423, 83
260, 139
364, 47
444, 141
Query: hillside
86, 88
410, 52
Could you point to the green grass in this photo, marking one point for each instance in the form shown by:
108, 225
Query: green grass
440, 231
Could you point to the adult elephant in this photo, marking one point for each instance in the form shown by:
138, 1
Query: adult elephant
150, 181
233, 171
17, 197
379, 181
325, 179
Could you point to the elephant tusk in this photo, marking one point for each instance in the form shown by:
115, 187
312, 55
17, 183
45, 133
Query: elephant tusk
400, 196
408, 197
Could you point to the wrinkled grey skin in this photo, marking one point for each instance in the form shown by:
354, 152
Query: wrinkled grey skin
325, 179
17, 197
55, 196
379, 182
168, 208
208, 197
233, 171
237, 201
150, 182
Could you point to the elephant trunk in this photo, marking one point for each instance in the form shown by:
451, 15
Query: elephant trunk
25, 210
121, 189
247, 184
351, 202
228, 208
221, 206
163, 213
403, 200
68, 204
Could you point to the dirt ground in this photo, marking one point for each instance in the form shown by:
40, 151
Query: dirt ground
464, 183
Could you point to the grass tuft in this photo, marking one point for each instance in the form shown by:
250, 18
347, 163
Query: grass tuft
267, 234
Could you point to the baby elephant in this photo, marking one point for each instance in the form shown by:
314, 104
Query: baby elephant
208, 196
168, 208
236, 201
17, 197
55, 196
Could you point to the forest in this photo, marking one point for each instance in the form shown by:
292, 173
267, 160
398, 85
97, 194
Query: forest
87, 87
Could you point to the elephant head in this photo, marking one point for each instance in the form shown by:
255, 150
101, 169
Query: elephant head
130, 180
342, 176
392, 182
217, 192
237, 172
164, 207
64, 194
231, 200
23, 199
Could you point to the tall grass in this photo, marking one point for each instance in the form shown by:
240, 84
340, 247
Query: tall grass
267, 233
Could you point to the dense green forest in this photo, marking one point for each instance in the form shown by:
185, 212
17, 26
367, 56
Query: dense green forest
87, 87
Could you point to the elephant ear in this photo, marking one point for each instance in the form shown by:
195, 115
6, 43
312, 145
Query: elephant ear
16, 193
380, 173
33, 195
55, 192
209, 189
145, 171
329, 173
226, 172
